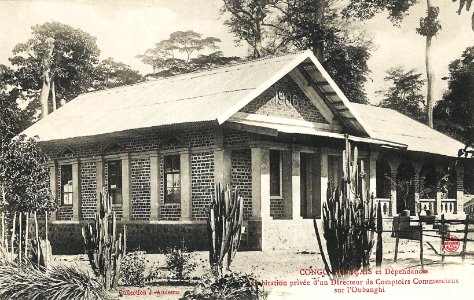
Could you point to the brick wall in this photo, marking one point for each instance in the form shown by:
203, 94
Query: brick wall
265, 104
197, 136
88, 190
277, 208
202, 179
140, 173
241, 177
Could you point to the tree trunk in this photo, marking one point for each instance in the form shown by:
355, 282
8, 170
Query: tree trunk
46, 257
429, 76
20, 238
46, 77
37, 238
318, 43
53, 95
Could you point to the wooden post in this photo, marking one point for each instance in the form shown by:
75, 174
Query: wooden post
443, 234
26, 233
420, 223
397, 240
13, 235
20, 233
37, 237
379, 251
3, 229
464, 242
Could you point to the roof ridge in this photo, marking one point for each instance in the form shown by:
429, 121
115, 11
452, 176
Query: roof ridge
196, 72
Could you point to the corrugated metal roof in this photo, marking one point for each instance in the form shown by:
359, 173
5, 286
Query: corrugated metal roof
193, 97
390, 125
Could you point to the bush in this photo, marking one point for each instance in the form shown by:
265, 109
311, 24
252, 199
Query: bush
232, 286
132, 269
61, 282
178, 262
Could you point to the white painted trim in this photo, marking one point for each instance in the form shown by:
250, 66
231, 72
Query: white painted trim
312, 95
284, 121
268, 83
340, 94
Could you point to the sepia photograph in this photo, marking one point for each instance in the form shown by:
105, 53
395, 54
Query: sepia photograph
236, 149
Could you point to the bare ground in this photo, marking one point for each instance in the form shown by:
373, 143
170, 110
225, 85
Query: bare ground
288, 266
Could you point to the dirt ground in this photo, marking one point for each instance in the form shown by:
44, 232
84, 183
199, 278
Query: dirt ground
292, 269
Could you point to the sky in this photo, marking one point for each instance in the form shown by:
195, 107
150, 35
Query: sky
126, 28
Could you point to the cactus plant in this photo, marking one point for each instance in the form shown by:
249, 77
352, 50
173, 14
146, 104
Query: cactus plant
348, 220
224, 228
104, 249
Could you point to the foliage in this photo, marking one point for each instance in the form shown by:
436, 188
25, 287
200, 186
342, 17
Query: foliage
224, 228
104, 249
271, 27
348, 221
454, 114
165, 57
232, 286
61, 282
178, 262
429, 25
74, 56
367, 9
24, 176
109, 74
132, 269
404, 95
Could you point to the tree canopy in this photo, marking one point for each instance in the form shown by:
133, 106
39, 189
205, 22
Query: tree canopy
110, 73
274, 26
454, 114
74, 56
182, 52
405, 93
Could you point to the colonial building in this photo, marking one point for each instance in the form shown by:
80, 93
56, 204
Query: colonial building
274, 128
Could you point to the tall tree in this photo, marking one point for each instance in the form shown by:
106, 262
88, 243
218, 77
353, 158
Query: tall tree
305, 24
110, 73
454, 114
429, 27
57, 62
405, 93
182, 52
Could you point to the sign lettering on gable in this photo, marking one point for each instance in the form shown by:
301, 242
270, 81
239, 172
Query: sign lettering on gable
286, 98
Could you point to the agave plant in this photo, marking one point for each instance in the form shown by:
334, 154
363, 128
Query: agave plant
60, 282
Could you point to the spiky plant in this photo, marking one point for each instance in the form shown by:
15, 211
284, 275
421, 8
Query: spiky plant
224, 228
60, 282
349, 220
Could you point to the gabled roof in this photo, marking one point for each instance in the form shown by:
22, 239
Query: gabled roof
389, 125
217, 95
206, 96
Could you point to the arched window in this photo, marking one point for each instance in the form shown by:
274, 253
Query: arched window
383, 179
405, 188
428, 182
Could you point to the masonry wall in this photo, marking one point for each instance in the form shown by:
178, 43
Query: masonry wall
241, 177
202, 181
297, 106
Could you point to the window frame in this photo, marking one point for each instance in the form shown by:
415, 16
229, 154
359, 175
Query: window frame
176, 195
61, 186
119, 183
280, 169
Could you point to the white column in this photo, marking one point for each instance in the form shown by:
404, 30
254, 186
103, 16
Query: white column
154, 187
76, 192
186, 192
373, 175
222, 167
126, 188
324, 177
53, 183
260, 183
295, 185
